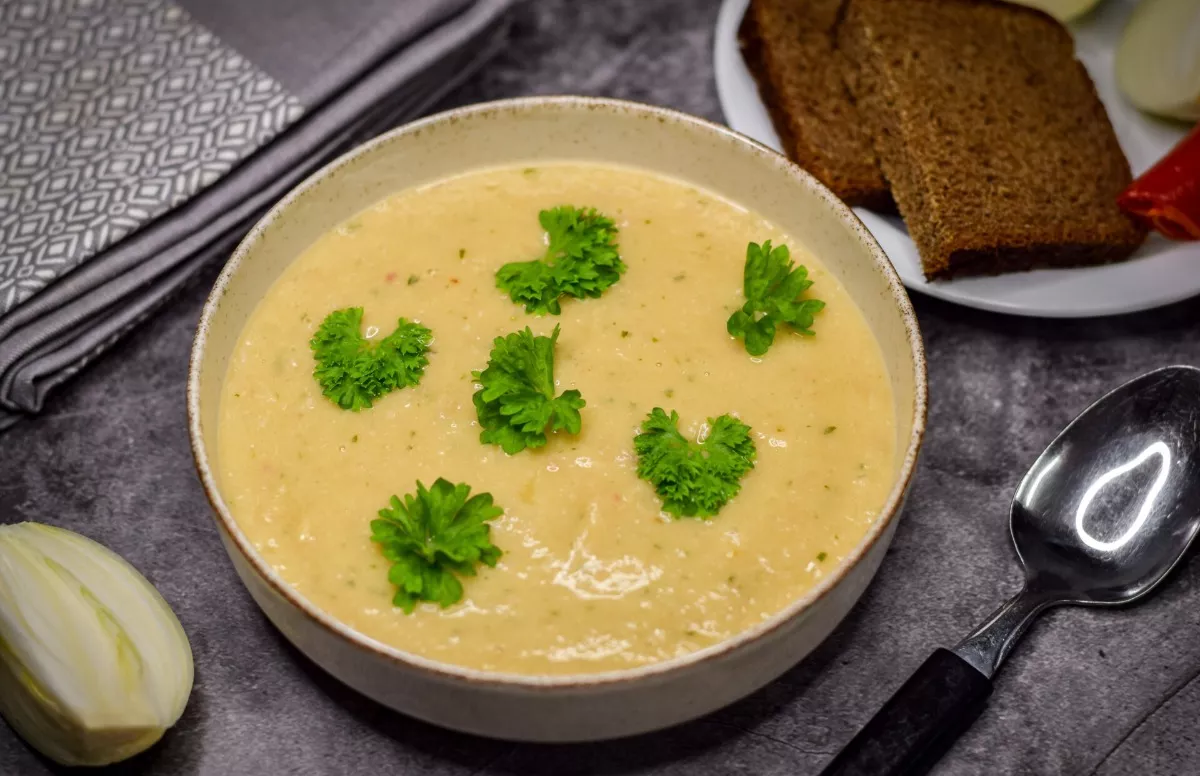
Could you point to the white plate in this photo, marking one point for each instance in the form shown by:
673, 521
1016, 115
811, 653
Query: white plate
1160, 273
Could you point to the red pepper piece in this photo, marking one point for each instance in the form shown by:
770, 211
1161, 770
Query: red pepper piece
1167, 196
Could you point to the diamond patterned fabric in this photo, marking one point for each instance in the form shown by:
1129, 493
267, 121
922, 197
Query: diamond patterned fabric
114, 111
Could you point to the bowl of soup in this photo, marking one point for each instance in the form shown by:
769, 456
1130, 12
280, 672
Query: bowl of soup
490, 433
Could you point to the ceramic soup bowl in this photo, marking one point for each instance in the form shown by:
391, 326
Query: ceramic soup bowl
592, 706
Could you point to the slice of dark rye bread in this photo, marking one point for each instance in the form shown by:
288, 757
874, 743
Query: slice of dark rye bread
998, 151
789, 47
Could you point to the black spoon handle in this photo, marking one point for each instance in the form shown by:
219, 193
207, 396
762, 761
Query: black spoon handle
919, 723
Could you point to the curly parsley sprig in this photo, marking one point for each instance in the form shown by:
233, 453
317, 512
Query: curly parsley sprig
432, 538
581, 261
515, 402
353, 372
772, 284
693, 479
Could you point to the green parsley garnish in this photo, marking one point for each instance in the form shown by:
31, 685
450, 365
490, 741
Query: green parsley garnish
772, 284
516, 404
353, 372
693, 479
433, 537
581, 261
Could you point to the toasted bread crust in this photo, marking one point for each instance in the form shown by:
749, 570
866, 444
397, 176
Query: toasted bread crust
789, 47
998, 151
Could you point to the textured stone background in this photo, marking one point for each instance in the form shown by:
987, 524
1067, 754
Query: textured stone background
1087, 692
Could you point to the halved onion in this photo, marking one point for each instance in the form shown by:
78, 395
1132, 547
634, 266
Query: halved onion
1158, 61
1063, 10
94, 666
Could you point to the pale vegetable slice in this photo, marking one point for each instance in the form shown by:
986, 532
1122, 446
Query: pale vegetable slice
94, 665
1158, 60
1063, 10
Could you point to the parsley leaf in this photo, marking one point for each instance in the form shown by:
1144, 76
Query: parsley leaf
581, 261
516, 404
693, 479
772, 284
433, 537
352, 372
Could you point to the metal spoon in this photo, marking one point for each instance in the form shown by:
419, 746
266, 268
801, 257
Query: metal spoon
1104, 513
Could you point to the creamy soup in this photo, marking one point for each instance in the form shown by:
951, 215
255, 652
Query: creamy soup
593, 576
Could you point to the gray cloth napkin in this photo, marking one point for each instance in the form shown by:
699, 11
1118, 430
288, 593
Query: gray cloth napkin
139, 140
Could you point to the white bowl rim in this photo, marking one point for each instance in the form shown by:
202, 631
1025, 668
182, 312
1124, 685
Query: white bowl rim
549, 682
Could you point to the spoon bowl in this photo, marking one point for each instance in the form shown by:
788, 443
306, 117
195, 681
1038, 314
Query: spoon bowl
1112, 504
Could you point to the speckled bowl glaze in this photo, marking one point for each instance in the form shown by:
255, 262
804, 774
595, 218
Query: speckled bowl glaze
590, 706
